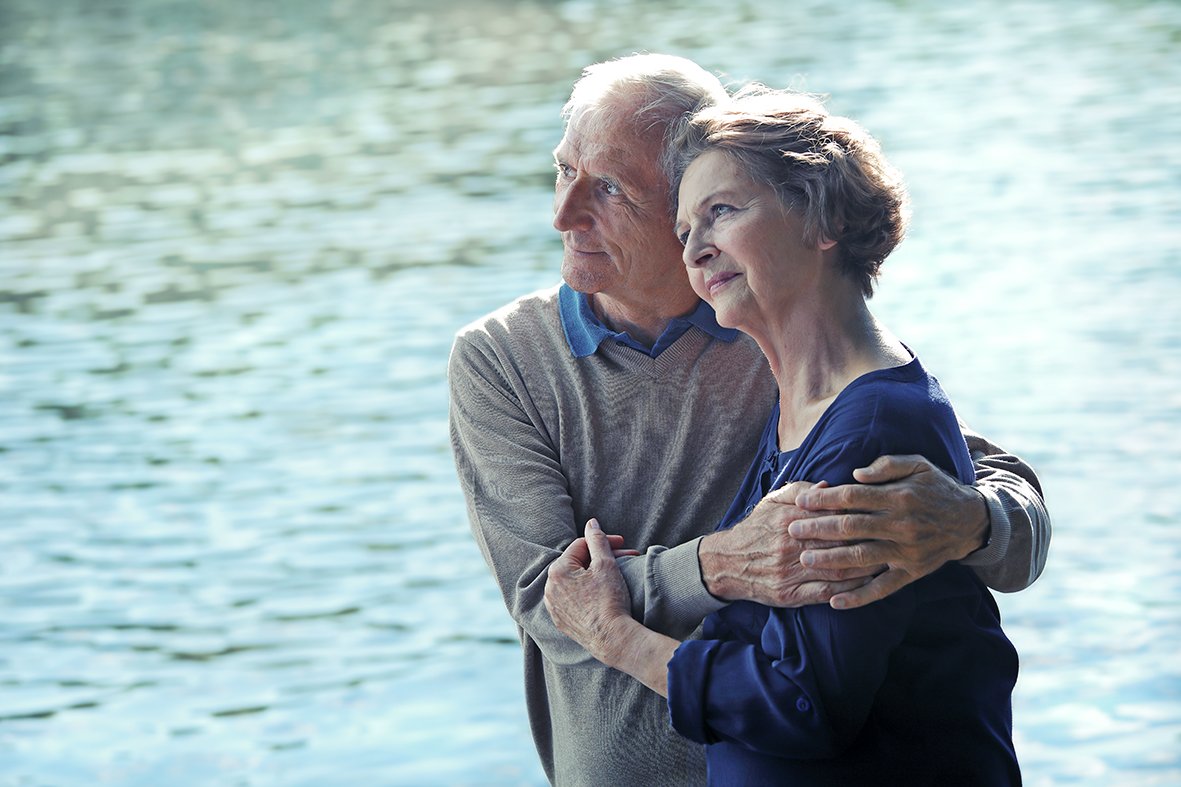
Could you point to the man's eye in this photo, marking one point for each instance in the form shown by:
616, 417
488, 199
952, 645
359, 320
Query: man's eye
721, 210
612, 189
564, 170
683, 237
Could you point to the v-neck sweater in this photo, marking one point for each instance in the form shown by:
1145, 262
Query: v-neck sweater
655, 449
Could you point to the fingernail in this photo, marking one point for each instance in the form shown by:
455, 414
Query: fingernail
803, 499
593, 524
807, 558
794, 530
838, 602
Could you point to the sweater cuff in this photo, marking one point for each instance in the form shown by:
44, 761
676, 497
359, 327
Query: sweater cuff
682, 586
999, 531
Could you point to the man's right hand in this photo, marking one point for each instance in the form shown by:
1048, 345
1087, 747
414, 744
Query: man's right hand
757, 560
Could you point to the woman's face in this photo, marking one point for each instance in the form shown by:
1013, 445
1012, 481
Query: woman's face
744, 249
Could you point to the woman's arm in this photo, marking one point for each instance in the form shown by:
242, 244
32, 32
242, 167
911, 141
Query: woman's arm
804, 690
588, 602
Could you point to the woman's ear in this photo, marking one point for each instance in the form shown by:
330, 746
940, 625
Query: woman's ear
826, 244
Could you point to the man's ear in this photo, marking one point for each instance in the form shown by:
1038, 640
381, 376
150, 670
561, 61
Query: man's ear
826, 244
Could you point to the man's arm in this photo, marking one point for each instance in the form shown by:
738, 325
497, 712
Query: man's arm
521, 511
517, 497
911, 517
1019, 541
759, 560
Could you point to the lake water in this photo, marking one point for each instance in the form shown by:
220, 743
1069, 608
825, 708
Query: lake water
237, 238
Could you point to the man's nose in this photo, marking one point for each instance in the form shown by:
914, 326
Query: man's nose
570, 208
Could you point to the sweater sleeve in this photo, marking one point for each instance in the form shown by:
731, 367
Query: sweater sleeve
1019, 540
521, 512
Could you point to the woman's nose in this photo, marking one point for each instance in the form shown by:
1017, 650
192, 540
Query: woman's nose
697, 251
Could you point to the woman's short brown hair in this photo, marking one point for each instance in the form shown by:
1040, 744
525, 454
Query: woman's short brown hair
826, 168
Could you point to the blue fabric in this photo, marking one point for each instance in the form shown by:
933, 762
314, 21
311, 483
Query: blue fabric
585, 332
914, 689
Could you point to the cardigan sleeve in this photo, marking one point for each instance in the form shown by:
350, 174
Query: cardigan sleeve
521, 512
1019, 541
803, 691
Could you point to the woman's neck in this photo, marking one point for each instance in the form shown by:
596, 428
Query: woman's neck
816, 352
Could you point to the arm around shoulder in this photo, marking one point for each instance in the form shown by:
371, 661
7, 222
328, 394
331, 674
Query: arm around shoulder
1019, 540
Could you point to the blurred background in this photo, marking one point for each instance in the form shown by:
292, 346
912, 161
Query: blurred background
237, 237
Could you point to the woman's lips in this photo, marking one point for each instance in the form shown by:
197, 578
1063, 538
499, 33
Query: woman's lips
719, 280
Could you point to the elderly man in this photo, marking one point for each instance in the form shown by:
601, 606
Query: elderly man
618, 396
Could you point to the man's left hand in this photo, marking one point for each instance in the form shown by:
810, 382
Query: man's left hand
905, 514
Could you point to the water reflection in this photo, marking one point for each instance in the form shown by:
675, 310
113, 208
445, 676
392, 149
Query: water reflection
235, 242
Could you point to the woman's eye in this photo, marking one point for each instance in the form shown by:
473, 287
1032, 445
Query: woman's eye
683, 237
721, 210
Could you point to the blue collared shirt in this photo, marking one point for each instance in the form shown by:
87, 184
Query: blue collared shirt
585, 332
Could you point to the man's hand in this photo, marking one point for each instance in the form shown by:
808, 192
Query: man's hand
911, 517
759, 560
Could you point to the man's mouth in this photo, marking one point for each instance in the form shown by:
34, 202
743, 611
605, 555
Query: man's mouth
575, 248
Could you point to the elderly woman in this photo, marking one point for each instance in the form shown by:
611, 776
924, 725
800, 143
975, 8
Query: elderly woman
786, 214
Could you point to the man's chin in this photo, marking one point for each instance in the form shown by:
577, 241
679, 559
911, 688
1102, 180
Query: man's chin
580, 278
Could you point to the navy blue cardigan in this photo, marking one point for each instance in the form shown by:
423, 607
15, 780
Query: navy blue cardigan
914, 689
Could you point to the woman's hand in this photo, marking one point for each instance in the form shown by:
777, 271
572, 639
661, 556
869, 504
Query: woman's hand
585, 592
588, 601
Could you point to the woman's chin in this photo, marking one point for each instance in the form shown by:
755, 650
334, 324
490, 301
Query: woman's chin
725, 318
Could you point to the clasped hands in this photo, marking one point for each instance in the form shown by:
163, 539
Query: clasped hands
585, 592
803, 544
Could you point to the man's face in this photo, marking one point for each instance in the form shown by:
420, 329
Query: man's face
611, 206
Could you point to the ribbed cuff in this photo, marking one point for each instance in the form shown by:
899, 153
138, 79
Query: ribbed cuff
999, 531
682, 584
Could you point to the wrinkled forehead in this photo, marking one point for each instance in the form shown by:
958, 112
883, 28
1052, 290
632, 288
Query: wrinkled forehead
612, 138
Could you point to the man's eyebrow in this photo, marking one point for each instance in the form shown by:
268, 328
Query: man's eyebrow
603, 167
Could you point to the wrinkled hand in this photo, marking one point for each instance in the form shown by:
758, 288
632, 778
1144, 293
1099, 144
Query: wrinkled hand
585, 592
759, 560
905, 513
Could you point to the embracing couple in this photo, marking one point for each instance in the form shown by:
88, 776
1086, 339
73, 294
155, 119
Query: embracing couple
796, 531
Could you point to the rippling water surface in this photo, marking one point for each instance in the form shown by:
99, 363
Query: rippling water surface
237, 238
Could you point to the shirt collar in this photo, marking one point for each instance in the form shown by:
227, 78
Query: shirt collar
585, 332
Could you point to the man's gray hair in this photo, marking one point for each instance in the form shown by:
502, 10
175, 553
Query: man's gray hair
652, 90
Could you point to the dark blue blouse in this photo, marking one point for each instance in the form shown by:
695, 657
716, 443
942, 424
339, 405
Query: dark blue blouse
913, 689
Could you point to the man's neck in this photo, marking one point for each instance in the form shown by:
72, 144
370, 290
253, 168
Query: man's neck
644, 322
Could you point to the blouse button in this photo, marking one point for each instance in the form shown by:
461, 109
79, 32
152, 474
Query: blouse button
802, 705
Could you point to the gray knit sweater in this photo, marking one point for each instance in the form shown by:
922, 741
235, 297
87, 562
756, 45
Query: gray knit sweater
655, 449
